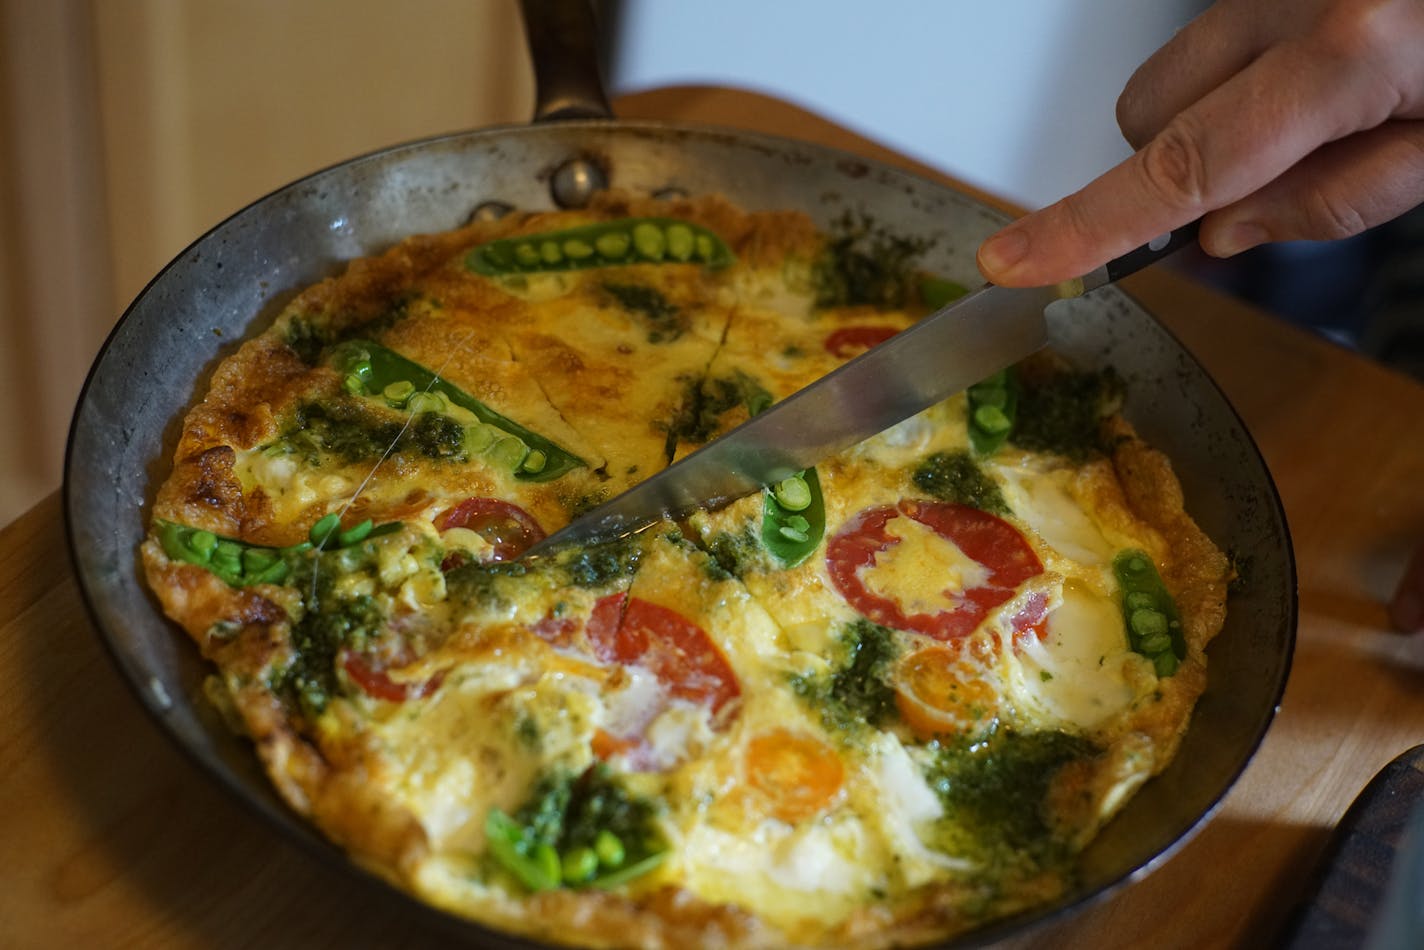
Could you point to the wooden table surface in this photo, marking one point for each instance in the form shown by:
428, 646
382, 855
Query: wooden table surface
110, 837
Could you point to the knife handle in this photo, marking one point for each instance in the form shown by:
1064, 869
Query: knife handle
1138, 258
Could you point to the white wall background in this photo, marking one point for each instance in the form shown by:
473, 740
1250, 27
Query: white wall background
1012, 96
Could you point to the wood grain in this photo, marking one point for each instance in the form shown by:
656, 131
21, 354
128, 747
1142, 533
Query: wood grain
114, 839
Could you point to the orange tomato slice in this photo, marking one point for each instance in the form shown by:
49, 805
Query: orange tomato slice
940, 690
796, 775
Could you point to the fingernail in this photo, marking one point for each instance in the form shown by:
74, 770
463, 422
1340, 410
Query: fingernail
1407, 612
1002, 251
1236, 238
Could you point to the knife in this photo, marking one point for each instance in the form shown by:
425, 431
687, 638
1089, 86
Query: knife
946, 352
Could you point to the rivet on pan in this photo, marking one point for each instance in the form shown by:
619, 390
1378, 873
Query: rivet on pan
489, 211
670, 193
575, 182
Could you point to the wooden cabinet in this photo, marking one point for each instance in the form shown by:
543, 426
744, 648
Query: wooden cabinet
130, 127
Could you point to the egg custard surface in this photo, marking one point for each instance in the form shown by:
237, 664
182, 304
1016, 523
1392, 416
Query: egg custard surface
883, 702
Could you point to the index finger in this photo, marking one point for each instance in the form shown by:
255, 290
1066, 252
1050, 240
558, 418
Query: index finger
1237, 138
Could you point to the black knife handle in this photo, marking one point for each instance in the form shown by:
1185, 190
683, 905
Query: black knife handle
1151, 252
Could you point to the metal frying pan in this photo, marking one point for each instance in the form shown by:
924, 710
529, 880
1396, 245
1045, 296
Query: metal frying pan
232, 281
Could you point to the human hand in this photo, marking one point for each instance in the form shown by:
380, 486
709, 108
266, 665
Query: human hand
1271, 120
1406, 609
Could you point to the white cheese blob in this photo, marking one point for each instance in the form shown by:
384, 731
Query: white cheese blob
922, 568
1082, 673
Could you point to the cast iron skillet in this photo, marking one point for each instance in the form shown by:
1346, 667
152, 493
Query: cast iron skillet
231, 282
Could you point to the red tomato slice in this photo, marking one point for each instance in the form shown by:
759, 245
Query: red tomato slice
852, 341
374, 681
990, 540
630, 630
510, 529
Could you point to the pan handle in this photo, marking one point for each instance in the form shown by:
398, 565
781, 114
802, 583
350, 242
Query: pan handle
563, 42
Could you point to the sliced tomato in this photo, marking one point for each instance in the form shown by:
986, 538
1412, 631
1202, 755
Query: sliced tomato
376, 683
983, 537
633, 631
509, 529
795, 775
852, 341
943, 689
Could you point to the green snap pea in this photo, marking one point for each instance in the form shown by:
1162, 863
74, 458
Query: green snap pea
239, 564
418, 389
536, 866
793, 513
324, 528
398, 392
993, 406
426, 402
630, 240
1154, 628
792, 534
792, 493
579, 865
630, 871
609, 849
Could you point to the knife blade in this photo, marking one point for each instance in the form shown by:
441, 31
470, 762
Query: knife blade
946, 352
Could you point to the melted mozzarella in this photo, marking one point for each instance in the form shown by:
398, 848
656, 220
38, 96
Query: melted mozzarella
923, 569
1082, 672
1042, 500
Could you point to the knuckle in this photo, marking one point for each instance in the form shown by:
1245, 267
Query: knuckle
1330, 216
1174, 168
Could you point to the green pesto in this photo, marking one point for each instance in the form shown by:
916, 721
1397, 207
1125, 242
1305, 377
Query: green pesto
1064, 413
601, 565
372, 368
956, 477
328, 625
734, 555
664, 320
705, 401
606, 244
858, 691
485, 582
865, 264
993, 792
601, 834
339, 429
437, 436
309, 335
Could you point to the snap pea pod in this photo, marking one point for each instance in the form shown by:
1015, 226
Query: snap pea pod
1154, 628
607, 244
239, 564
793, 513
993, 408
374, 370
793, 519
526, 853
535, 864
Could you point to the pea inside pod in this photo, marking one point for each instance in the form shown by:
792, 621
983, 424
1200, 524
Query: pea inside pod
373, 370
607, 244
